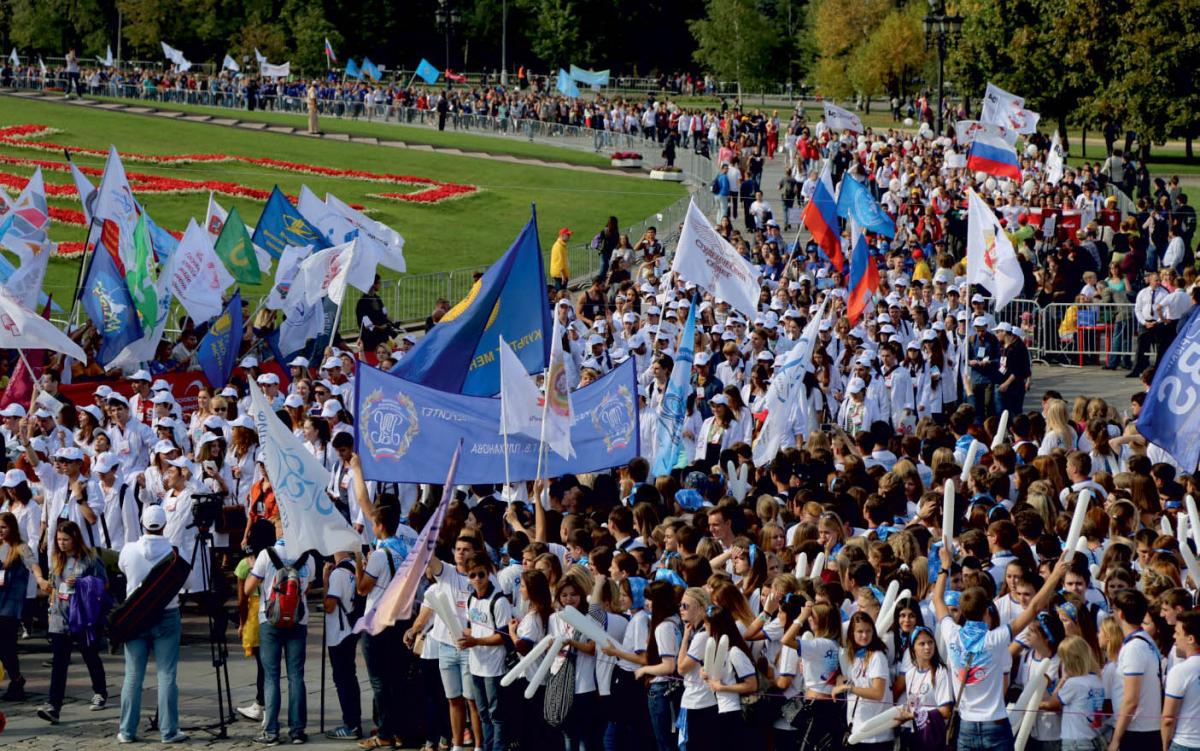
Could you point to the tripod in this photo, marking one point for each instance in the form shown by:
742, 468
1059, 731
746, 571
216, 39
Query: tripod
211, 604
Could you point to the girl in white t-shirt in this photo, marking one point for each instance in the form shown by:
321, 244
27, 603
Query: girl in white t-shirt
583, 726
821, 669
698, 705
651, 644
929, 693
787, 676
1079, 696
736, 676
525, 632
864, 682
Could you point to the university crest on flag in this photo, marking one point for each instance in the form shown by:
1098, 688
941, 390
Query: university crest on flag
392, 424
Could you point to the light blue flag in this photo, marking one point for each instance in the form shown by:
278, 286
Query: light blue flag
352, 70
673, 408
427, 73
108, 303
281, 224
408, 432
856, 202
7, 270
371, 69
1171, 415
164, 242
218, 350
566, 86
461, 354
590, 77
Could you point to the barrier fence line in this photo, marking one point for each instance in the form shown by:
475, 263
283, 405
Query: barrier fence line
1079, 333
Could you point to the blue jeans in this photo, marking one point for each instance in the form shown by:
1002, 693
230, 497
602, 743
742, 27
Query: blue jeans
345, 680
276, 645
491, 714
662, 716
985, 736
163, 639
380, 653
456, 673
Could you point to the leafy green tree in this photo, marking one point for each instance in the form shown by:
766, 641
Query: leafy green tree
554, 34
310, 28
736, 42
54, 26
837, 48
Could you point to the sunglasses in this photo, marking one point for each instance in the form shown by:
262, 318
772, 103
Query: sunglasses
477, 575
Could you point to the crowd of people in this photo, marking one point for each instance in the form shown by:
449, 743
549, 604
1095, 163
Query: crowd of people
903, 568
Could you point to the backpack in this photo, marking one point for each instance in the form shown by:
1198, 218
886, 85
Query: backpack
511, 656
145, 604
89, 607
358, 604
716, 185
285, 597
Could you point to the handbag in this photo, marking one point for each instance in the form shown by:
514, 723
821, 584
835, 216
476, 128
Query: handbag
560, 693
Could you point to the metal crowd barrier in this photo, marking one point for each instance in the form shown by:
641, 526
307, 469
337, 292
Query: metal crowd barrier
1079, 334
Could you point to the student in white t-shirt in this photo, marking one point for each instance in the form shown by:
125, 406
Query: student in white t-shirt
927, 690
1137, 695
526, 632
821, 667
488, 612
341, 641
698, 704
735, 677
1181, 708
980, 656
865, 679
1079, 696
583, 725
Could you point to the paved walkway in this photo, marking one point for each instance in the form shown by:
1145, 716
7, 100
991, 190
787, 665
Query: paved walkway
288, 130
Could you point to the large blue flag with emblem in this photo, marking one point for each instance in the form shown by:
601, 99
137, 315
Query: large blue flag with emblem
282, 224
461, 354
1170, 416
408, 432
673, 407
856, 202
218, 350
427, 73
108, 303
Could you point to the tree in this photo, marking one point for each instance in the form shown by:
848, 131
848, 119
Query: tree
735, 42
891, 56
58, 25
554, 32
310, 29
836, 49
267, 38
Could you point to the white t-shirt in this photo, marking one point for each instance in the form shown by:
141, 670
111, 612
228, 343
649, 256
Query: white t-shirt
821, 664
380, 570
1049, 724
530, 630
585, 664
1138, 657
983, 695
338, 624
696, 694
615, 625
737, 668
862, 671
927, 689
1082, 697
1183, 683
488, 615
457, 587
666, 635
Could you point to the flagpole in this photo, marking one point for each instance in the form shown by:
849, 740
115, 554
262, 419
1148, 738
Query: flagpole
504, 425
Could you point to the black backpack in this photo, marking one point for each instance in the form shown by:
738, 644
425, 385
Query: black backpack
358, 604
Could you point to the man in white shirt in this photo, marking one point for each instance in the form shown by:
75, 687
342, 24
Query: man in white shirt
981, 656
1137, 702
70, 496
1176, 250
137, 560
131, 439
1181, 705
1147, 307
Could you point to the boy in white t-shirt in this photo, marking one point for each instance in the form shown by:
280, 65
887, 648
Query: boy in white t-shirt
1181, 707
488, 613
341, 642
1137, 698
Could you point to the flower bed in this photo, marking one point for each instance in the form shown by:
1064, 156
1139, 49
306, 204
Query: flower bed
670, 174
626, 159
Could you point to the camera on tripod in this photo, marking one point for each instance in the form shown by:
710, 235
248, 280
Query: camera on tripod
206, 509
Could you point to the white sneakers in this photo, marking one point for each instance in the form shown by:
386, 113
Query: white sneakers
251, 712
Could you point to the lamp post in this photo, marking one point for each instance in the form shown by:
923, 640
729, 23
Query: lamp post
447, 17
504, 43
941, 30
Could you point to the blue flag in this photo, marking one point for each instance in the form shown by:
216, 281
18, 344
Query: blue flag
590, 77
282, 224
163, 242
856, 202
461, 354
371, 69
218, 350
7, 270
566, 86
352, 70
408, 432
427, 73
1170, 417
108, 303
673, 408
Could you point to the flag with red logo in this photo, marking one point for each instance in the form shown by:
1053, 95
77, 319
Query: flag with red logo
991, 260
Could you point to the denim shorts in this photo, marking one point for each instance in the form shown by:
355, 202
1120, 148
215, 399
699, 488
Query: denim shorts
456, 672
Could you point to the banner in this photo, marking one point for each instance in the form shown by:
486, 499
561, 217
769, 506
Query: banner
408, 432
708, 260
966, 130
1171, 415
310, 520
842, 119
427, 73
855, 202
566, 86
277, 71
590, 77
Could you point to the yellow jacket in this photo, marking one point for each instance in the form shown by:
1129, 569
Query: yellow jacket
558, 260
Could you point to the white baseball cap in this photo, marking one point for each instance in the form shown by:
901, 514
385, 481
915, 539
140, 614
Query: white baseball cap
140, 375
154, 517
13, 478
13, 410
268, 379
299, 362
331, 408
293, 400
249, 361
106, 462
855, 386
980, 322
160, 385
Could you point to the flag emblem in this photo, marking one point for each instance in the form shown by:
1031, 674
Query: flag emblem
614, 418
391, 427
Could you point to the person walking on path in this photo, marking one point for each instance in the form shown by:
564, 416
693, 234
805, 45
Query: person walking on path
313, 130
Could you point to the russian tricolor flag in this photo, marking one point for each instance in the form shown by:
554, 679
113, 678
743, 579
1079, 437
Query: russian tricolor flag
329, 51
820, 216
994, 156
864, 277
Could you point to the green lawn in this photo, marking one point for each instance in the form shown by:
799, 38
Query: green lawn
407, 133
470, 231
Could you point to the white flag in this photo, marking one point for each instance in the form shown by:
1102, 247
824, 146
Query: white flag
87, 191
327, 273
842, 119
785, 390
1054, 160
21, 328
991, 260
24, 229
965, 131
42, 66
12, 57
520, 397
559, 411
107, 60
1003, 108
197, 277
389, 243
708, 260
25, 283
172, 54
260, 57
231, 64
310, 520
285, 274
277, 71
115, 203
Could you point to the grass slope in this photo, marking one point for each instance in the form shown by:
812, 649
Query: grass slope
470, 231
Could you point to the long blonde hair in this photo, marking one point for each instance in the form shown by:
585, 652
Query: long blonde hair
1058, 421
1076, 658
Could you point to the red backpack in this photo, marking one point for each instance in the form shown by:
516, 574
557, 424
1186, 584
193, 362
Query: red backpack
285, 597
